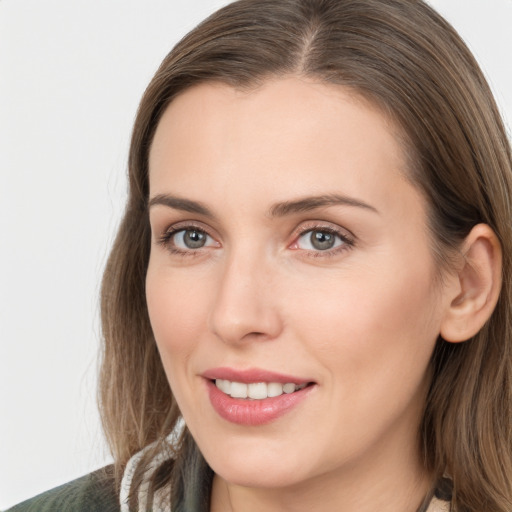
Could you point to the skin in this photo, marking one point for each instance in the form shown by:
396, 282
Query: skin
360, 320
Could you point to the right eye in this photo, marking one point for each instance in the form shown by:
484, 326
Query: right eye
187, 239
190, 239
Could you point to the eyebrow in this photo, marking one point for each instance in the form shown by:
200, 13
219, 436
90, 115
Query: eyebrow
280, 209
312, 203
180, 203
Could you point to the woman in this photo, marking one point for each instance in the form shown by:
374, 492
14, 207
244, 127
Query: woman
307, 305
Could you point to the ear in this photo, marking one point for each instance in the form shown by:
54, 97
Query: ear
475, 286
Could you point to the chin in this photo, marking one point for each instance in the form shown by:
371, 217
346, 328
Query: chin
261, 465
267, 477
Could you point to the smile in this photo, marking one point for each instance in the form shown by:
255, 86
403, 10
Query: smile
256, 390
255, 397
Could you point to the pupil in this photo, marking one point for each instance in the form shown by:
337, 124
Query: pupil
321, 240
194, 239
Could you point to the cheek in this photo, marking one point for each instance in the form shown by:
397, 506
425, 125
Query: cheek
177, 313
372, 326
373, 336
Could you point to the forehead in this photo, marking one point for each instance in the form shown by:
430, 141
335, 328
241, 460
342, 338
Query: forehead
289, 136
215, 105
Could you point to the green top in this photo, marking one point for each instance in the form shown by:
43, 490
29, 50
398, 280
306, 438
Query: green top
94, 492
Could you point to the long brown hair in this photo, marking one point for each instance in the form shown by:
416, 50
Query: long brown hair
401, 55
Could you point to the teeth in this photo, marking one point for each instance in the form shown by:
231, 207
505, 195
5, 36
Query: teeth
238, 390
224, 385
274, 389
289, 388
257, 390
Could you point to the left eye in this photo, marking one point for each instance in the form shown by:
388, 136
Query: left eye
319, 240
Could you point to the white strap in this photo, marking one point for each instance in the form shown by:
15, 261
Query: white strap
437, 505
161, 499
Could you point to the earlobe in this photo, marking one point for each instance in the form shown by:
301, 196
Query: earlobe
477, 286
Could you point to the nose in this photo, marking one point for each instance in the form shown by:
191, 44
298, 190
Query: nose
245, 307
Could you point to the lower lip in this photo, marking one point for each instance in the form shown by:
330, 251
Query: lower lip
254, 412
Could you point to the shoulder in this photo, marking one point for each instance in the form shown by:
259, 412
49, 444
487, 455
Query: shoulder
94, 492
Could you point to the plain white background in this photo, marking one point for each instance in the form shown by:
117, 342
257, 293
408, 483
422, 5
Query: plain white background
71, 75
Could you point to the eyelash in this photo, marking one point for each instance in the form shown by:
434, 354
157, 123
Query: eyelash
348, 242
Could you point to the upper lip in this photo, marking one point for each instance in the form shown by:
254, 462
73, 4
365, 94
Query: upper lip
252, 375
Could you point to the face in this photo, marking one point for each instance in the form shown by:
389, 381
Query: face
290, 261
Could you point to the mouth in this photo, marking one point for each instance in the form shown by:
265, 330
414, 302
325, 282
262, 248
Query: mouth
257, 390
254, 397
